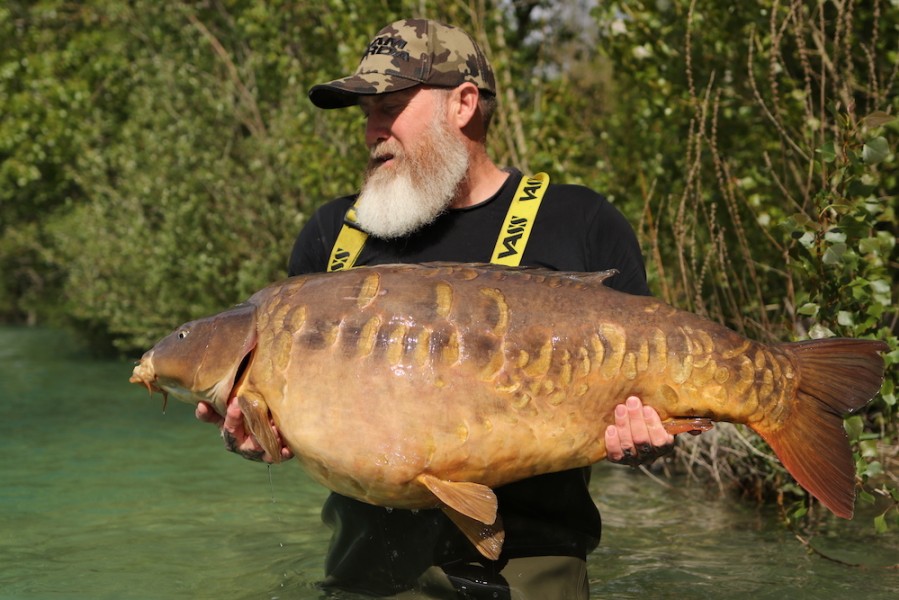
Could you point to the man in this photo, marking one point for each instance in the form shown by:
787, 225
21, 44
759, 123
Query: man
431, 193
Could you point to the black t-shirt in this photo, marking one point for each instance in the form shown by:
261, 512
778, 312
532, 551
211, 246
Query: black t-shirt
576, 229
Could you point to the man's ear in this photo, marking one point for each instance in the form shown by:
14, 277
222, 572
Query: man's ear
465, 104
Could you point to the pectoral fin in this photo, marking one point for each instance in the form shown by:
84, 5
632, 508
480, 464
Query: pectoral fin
256, 414
472, 507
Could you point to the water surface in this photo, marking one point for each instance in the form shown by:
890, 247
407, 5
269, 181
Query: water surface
102, 495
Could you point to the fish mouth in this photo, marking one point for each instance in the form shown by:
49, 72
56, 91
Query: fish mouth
143, 374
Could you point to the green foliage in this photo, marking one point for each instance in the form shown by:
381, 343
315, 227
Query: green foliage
845, 257
48, 78
767, 170
844, 248
183, 216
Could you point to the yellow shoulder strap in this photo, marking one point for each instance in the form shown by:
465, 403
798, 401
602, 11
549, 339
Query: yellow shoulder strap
348, 245
513, 237
510, 244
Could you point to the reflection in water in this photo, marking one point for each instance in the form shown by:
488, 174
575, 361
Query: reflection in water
104, 496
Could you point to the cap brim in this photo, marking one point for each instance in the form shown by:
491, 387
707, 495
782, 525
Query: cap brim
326, 95
345, 92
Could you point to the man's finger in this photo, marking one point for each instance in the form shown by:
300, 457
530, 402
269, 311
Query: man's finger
623, 427
613, 444
658, 435
638, 430
234, 418
205, 413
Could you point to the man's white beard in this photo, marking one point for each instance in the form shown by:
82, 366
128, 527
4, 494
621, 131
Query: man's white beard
418, 188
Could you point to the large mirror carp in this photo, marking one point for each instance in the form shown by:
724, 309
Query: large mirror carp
414, 386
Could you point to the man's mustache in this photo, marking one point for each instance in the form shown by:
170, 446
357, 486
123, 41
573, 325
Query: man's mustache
385, 150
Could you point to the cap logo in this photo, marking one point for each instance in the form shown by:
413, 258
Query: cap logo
390, 46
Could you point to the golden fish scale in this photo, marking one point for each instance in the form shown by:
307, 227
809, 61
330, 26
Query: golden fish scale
469, 380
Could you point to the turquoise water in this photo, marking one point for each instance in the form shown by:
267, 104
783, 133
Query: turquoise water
102, 495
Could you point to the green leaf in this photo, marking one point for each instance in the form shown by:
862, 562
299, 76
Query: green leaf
834, 254
880, 286
827, 152
807, 239
878, 118
854, 426
809, 308
875, 309
880, 524
819, 332
835, 236
800, 219
869, 450
845, 318
875, 151
874, 469
869, 245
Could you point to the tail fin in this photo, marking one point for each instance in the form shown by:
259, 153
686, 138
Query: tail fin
836, 376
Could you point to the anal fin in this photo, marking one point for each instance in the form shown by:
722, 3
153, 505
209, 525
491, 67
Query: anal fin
488, 539
692, 425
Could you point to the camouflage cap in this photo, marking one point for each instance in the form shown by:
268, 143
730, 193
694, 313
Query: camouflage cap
409, 53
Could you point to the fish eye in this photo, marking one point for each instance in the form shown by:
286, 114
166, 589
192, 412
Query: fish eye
183, 334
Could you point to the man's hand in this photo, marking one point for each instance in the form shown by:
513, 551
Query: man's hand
238, 438
637, 437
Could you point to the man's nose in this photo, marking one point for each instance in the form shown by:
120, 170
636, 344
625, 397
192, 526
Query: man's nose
377, 130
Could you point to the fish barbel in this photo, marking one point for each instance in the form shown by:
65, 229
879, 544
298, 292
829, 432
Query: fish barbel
414, 386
